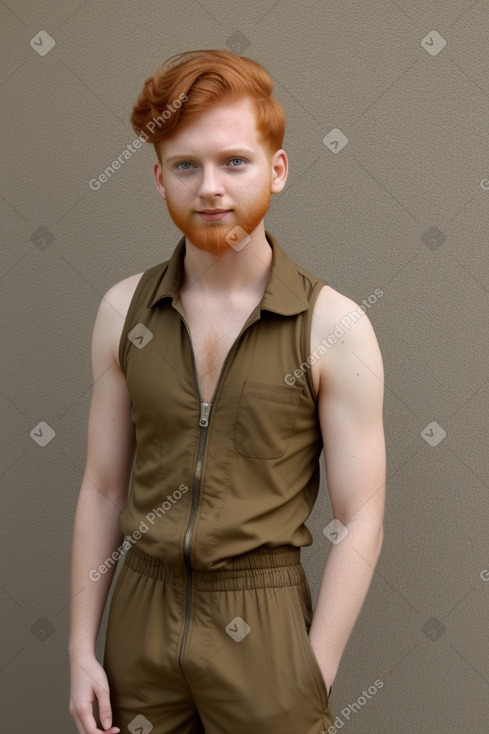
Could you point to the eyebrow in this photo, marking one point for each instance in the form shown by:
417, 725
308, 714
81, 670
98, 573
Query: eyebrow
227, 152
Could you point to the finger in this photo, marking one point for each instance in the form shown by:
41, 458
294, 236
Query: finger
105, 710
87, 725
87, 720
78, 724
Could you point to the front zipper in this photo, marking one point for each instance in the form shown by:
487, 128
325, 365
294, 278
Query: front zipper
205, 410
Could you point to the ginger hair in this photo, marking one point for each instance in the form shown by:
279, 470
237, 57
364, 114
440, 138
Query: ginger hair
188, 83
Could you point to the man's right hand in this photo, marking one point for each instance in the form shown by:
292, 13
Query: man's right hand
88, 684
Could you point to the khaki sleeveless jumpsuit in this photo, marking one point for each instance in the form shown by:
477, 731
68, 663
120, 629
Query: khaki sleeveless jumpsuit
208, 624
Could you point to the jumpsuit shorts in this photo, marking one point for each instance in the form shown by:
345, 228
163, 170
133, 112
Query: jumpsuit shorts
215, 652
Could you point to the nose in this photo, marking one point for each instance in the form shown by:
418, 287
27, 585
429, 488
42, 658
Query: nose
210, 182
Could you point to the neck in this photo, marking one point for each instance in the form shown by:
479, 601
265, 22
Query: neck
219, 274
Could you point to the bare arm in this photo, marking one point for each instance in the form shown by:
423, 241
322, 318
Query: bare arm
350, 414
110, 452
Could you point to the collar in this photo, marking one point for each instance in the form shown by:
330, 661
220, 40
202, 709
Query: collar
284, 293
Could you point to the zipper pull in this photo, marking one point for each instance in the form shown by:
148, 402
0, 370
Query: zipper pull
204, 414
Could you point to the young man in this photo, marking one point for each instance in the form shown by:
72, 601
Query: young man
218, 373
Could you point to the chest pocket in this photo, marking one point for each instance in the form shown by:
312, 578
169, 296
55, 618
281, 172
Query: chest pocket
265, 419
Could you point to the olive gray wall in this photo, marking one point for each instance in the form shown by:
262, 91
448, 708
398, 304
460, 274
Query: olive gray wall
403, 206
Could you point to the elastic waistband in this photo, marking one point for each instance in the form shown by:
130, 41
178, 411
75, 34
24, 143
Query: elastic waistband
261, 568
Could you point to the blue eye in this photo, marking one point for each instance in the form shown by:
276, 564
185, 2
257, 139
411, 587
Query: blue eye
183, 163
186, 165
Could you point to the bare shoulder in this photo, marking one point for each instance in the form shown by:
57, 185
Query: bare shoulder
330, 303
115, 305
343, 334
119, 295
334, 311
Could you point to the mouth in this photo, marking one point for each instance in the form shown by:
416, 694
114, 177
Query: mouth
213, 214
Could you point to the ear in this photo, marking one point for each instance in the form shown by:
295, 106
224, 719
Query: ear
280, 167
158, 174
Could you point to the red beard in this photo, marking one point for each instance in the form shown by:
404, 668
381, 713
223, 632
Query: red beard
211, 236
